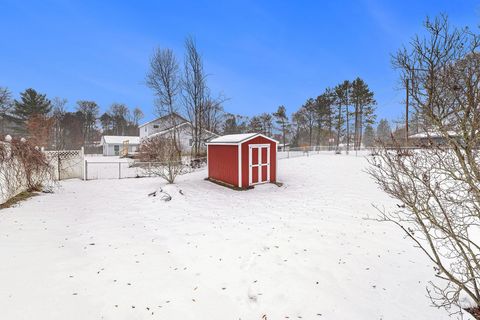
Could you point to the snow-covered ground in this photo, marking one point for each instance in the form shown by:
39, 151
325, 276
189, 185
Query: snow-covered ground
105, 250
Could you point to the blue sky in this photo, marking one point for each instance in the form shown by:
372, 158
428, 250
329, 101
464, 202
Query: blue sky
259, 54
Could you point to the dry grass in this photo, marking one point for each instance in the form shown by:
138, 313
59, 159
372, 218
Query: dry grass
18, 198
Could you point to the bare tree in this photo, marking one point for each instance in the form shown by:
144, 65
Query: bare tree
119, 114
194, 92
439, 187
163, 156
164, 79
89, 110
58, 112
137, 115
213, 113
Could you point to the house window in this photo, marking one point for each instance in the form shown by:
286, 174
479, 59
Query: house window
116, 149
155, 126
145, 129
190, 142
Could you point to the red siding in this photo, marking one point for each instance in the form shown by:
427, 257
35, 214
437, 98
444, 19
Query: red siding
273, 159
223, 163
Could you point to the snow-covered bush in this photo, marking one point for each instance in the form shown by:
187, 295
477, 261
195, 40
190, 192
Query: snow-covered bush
23, 167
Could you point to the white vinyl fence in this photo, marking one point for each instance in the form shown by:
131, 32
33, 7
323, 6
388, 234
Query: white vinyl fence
117, 168
67, 164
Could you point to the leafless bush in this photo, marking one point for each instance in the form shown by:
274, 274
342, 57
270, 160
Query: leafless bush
23, 167
164, 156
439, 187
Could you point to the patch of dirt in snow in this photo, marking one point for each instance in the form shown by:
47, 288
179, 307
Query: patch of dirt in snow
105, 249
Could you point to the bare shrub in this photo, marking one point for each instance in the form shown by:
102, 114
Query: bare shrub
439, 187
23, 167
163, 156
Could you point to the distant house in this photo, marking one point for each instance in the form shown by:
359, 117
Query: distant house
166, 125
119, 145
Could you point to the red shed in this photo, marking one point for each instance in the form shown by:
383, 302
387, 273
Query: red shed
242, 160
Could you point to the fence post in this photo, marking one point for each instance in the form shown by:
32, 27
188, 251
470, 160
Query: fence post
119, 170
59, 166
85, 172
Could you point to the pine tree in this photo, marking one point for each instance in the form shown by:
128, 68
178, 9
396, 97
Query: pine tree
281, 119
267, 124
324, 107
255, 124
106, 121
369, 136
363, 101
230, 125
31, 103
342, 93
383, 130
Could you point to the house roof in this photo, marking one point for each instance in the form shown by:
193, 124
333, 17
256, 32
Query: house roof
188, 123
237, 138
163, 117
120, 139
432, 134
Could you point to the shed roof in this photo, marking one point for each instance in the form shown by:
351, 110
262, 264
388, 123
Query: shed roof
121, 139
237, 138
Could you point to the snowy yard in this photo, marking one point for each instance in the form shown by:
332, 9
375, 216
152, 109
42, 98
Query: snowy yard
105, 250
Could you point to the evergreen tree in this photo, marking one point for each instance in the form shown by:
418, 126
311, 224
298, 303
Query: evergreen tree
324, 108
342, 99
106, 121
383, 130
31, 103
363, 101
230, 125
255, 124
369, 136
281, 119
267, 124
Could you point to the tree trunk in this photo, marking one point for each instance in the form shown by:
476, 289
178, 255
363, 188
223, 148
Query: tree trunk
339, 125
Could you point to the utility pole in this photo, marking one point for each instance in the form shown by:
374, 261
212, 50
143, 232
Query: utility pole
406, 111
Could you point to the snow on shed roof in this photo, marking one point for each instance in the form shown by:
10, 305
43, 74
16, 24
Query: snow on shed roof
121, 139
236, 138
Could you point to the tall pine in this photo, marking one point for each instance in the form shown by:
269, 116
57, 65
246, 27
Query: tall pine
31, 104
281, 119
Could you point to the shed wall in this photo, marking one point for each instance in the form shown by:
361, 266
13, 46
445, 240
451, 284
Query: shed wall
223, 163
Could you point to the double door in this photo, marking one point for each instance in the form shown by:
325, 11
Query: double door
259, 163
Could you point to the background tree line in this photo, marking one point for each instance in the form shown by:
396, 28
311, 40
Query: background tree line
344, 114
47, 123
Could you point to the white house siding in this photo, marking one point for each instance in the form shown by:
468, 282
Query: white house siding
158, 125
184, 133
109, 149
